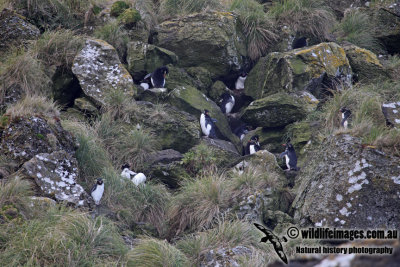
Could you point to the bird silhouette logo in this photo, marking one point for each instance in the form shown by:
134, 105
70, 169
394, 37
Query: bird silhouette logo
270, 236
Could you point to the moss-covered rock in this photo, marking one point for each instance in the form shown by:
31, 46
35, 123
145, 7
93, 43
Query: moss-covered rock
276, 110
65, 86
86, 106
118, 8
217, 89
15, 30
129, 17
365, 64
269, 138
145, 58
291, 71
191, 100
208, 40
174, 128
201, 78
100, 72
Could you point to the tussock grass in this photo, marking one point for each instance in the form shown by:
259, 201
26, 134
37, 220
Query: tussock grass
225, 234
62, 236
157, 253
199, 203
202, 159
58, 48
136, 205
23, 73
114, 34
306, 17
357, 29
34, 105
173, 8
148, 11
257, 26
15, 192
393, 66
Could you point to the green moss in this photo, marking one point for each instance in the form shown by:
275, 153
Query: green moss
130, 17
40, 136
118, 8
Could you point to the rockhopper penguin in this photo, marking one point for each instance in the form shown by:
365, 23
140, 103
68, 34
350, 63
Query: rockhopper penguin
290, 157
207, 124
345, 117
136, 178
97, 191
239, 84
242, 131
252, 145
227, 103
157, 78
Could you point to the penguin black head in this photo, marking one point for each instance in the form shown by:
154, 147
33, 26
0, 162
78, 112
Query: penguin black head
99, 181
164, 70
288, 145
343, 109
254, 138
125, 166
206, 112
243, 74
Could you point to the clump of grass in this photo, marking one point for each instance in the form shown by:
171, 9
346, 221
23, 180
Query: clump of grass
130, 17
135, 205
118, 8
58, 48
173, 8
148, 12
114, 34
23, 73
34, 105
393, 66
357, 29
198, 203
257, 26
226, 234
15, 192
306, 17
66, 237
201, 159
157, 253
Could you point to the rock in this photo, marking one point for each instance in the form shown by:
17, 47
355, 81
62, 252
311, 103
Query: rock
145, 58
221, 145
56, 175
24, 138
364, 64
65, 86
191, 100
387, 27
174, 128
291, 71
347, 185
201, 78
276, 110
217, 89
100, 72
300, 133
209, 40
391, 111
225, 256
15, 30
251, 207
178, 77
165, 166
273, 218
84, 105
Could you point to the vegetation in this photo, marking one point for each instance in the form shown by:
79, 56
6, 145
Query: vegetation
34, 105
130, 17
357, 29
182, 7
118, 8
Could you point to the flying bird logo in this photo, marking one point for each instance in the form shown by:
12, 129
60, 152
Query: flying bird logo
269, 236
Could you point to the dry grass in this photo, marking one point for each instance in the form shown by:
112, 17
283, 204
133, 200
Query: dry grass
305, 17
198, 203
174, 8
16, 192
34, 105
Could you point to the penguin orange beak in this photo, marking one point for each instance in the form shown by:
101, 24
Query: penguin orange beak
283, 144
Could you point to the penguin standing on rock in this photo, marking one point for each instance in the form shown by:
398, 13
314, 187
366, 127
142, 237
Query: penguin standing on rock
207, 124
290, 157
227, 103
157, 78
252, 145
346, 113
97, 191
239, 84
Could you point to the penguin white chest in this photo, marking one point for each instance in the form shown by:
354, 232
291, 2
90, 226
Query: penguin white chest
97, 194
242, 136
204, 128
145, 86
240, 83
139, 178
252, 149
287, 161
229, 105
345, 124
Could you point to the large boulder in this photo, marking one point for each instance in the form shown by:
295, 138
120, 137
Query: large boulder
386, 23
191, 100
347, 185
56, 175
24, 138
291, 71
174, 129
364, 63
208, 40
276, 110
100, 71
145, 58
15, 30
391, 111
270, 139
